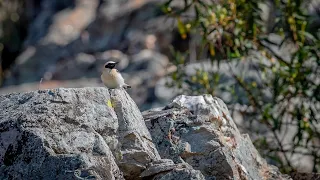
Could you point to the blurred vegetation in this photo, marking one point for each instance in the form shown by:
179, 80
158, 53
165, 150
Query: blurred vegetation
12, 32
287, 92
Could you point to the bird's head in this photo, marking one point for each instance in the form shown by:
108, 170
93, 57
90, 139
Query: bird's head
110, 64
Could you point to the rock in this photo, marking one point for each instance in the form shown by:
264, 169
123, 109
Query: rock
70, 131
198, 130
85, 133
285, 51
96, 133
58, 134
137, 149
159, 166
243, 113
166, 169
182, 172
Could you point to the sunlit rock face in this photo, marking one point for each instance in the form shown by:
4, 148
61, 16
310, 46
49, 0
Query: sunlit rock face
97, 133
92, 133
199, 131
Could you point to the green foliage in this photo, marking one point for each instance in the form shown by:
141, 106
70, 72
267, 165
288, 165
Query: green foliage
234, 31
10, 35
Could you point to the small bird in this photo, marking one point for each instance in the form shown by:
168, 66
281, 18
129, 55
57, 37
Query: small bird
111, 77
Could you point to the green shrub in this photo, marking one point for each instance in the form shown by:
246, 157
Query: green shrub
287, 92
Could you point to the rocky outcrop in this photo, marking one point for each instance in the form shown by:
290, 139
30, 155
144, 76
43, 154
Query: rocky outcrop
75, 133
62, 134
96, 133
199, 131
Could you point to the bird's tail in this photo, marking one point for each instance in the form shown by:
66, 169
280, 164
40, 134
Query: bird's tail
126, 86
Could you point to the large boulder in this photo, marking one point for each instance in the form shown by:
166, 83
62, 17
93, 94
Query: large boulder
75, 133
199, 131
58, 134
96, 133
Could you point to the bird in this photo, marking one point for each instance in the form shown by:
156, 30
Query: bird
111, 77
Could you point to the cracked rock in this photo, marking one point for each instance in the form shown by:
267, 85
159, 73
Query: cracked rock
96, 133
187, 131
69, 133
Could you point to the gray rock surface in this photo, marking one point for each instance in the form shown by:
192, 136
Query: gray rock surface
96, 133
182, 172
165, 169
199, 131
58, 134
134, 139
77, 134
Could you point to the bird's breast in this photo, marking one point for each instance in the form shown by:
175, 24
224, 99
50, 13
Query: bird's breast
109, 80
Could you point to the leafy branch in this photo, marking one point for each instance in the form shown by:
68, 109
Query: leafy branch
234, 31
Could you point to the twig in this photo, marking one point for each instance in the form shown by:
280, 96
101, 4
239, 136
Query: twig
39, 88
